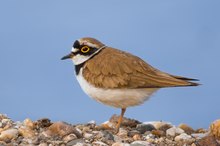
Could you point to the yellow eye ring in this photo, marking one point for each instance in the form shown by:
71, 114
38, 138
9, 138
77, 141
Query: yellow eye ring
85, 49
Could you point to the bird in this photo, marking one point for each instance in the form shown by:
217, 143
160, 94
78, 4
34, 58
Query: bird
117, 78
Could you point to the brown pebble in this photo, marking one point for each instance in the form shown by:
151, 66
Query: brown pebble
42, 123
164, 127
137, 137
106, 126
61, 129
69, 137
207, 141
187, 129
29, 124
200, 130
8, 134
215, 129
158, 133
125, 122
122, 133
26, 132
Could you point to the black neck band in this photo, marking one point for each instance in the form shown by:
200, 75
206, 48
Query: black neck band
78, 67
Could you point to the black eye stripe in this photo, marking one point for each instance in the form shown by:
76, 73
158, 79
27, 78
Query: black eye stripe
91, 51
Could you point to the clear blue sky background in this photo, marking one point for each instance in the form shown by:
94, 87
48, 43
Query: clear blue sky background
179, 37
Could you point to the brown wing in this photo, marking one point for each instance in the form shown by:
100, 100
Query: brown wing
112, 68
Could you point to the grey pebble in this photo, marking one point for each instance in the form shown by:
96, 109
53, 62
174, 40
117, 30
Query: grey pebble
107, 135
75, 141
142, 128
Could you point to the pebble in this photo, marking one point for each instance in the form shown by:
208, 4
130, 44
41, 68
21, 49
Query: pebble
149, 136
174, 131
187, 129
159, 124
201, 130
120, 144
29, 124
82, 144
3, 116
43, 144
60, 129
8, 134
5, 124
125, 122
136, 137
142, 128
107, 135
92, 122
99, 143
79, 131
88, 135
199, 135
117, 138
86, 129
215, 129
133, 132
26, 132
74, 142
122, 133
45, 133
208, 141
69, 138
141, 143
158, 133
164, 127
42, 123
183, 137
107, 125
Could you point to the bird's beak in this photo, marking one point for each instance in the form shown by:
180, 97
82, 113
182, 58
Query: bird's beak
67, 56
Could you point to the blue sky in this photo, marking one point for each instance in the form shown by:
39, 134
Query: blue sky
178, 37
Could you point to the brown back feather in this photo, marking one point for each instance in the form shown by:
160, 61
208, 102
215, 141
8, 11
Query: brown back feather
112, 68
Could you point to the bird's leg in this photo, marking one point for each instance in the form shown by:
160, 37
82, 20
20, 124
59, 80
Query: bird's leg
120, 119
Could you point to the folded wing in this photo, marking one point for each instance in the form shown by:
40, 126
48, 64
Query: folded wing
112, 68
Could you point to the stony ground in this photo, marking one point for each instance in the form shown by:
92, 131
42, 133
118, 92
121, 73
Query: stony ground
43, 132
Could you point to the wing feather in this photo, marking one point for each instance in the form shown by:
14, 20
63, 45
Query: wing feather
112, 68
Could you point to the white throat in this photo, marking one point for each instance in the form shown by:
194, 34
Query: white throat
78, 59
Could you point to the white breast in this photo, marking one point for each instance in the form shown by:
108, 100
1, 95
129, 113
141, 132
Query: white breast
120, 98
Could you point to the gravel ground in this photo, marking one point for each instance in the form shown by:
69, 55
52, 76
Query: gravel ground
43, 132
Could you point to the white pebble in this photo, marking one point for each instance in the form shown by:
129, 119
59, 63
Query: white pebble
199, 135
122, 133
99, 143
174, 131
183, 137
88, 135
92, 122
158, 124
70, 137
8, 134
144, 143
120, 144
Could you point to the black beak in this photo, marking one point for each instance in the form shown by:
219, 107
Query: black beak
67, 56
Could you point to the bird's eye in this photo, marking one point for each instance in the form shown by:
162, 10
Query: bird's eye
85, 49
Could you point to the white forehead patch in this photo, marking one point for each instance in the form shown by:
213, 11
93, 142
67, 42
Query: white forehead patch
74, 50
83, 42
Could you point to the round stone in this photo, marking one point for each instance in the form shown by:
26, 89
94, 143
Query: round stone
142, 128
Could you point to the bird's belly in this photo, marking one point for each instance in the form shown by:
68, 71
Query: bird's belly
120, 98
